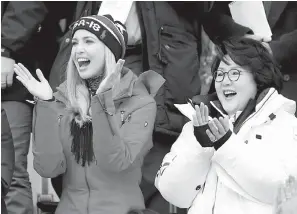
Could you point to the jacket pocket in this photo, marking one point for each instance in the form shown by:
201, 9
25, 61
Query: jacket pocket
179, 55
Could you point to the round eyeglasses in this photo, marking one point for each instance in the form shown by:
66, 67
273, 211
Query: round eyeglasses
232, 74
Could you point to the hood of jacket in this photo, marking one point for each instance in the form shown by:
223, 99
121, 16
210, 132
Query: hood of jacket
130, 85
270, 98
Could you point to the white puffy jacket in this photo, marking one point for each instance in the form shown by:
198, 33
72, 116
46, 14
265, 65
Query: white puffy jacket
242, 176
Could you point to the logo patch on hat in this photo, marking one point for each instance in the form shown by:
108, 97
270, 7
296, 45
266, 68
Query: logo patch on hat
103, 34
120, 27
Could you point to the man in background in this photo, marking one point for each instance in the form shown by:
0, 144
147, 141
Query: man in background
29, 34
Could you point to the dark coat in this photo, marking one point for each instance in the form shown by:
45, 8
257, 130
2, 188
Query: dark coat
7, 158
111, 183
173, 48
282, 19
29, 34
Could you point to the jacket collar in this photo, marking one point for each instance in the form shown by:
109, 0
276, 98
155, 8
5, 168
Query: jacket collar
268, 102
130, 84
149, 81
256, 105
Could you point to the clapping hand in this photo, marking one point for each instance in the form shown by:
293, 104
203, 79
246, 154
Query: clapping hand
200, 121
201, 116
112, 81
264, 40
41, 89
217, 128
258, 38
286, 200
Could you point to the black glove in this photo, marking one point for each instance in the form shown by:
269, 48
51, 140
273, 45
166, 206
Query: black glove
201, 136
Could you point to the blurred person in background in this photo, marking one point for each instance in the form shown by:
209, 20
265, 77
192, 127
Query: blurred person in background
7, 159
29, 34
282, 19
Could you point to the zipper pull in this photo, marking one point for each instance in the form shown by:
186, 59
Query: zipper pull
59, 119
122, 116
128, 118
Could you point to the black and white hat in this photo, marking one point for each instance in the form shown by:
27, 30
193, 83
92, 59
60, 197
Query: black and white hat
112, 33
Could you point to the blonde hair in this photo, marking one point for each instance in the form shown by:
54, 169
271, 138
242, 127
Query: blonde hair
78, 95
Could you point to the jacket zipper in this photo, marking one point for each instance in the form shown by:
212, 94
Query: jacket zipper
159, 54
59, 119
122, 117
35, 118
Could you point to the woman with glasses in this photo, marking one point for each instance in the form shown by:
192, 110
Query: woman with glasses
237, 151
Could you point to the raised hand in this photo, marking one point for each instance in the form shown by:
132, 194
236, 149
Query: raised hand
286, 199
41, 89
6, 72
258, 38
218, 128
112, 80
201, 116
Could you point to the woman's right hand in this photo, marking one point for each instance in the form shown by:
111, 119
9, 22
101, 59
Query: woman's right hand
201, 116
41, 89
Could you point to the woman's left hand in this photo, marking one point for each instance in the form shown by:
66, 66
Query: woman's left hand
286, 199
112, 81
218, 128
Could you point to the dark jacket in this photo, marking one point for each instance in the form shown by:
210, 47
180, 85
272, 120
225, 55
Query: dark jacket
282, 19
171, 46
173, 50
111, 183
7, 158
29, 34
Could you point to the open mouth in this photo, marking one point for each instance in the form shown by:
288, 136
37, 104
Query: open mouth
83, 62
229, 93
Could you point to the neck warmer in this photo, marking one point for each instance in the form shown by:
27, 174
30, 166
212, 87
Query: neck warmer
93, 84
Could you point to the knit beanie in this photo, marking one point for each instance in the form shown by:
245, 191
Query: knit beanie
112, 33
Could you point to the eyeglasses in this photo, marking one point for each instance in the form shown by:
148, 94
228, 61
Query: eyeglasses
233, 75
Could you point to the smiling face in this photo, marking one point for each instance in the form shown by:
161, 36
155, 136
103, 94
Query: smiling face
87, 54
234, 95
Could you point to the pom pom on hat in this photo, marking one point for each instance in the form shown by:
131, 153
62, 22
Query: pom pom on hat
112, 33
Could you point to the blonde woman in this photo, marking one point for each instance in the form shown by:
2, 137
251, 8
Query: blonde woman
96, 129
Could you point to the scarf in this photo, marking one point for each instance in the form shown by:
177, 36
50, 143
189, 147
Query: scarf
82, 143
93, 84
